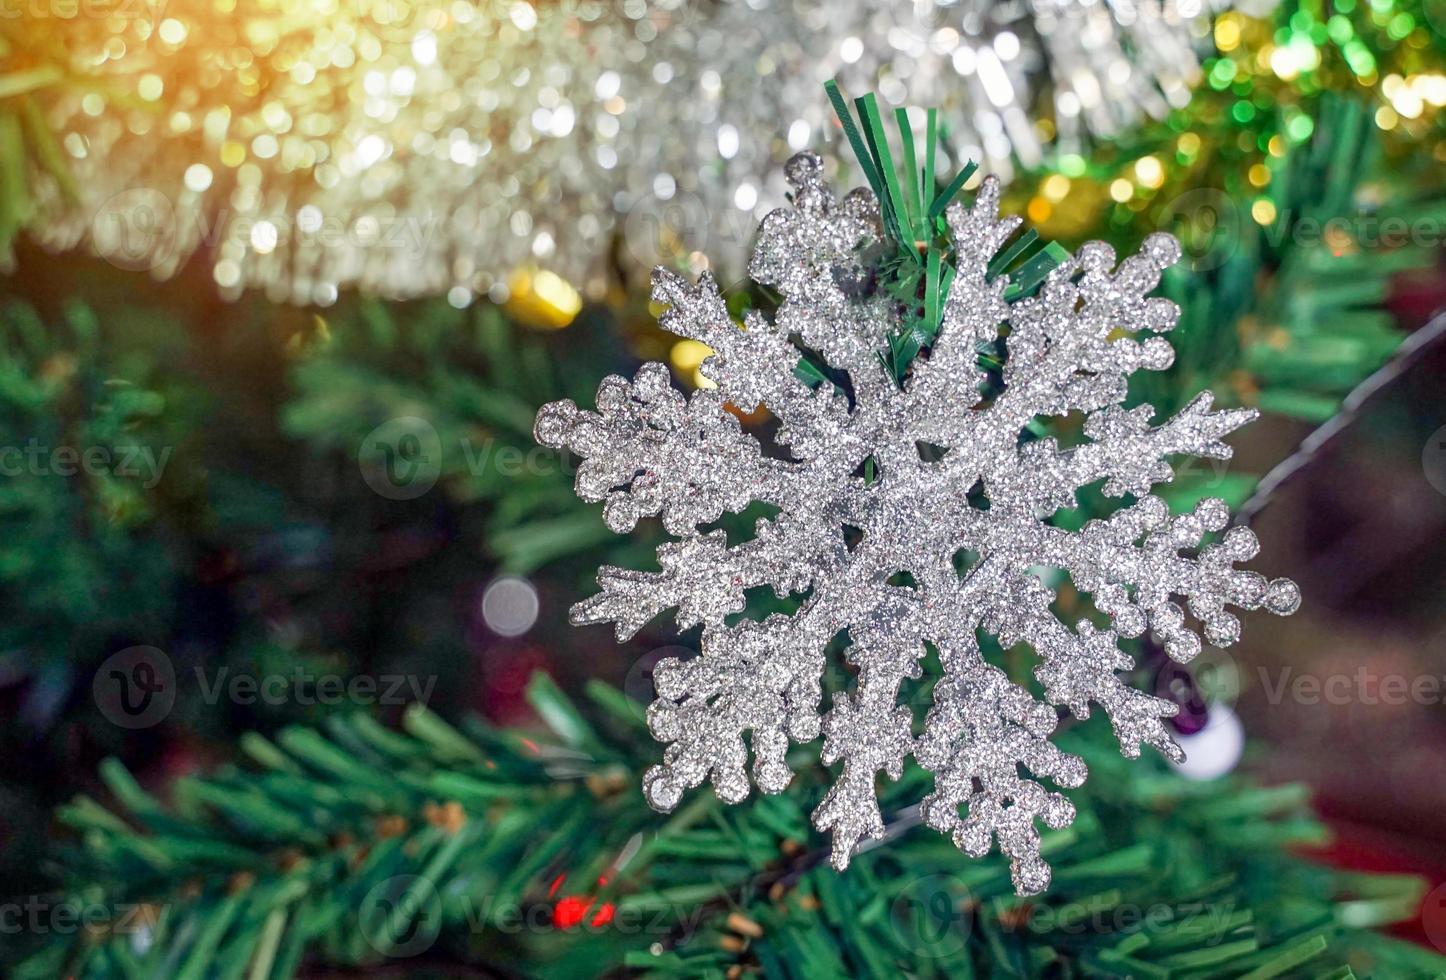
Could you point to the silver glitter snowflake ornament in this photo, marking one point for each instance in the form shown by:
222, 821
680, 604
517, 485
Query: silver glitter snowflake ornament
651, 451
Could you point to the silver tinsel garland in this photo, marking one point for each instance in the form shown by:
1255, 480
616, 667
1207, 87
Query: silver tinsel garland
651, 451
437, 147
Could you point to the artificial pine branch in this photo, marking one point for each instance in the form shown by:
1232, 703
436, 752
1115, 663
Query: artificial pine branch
90, 424
353, 844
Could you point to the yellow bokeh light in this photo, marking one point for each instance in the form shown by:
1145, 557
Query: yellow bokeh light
1260, 175
233, 154
1055, 187
1263, 211
1189, 144
542, 298
1121, 190
227, 273
197, 177
1408, 103
264, 237
1282, 62
688, 355
1227, 32
1039, 210
1149, 172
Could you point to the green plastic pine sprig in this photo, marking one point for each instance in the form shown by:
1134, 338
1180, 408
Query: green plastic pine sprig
917, 266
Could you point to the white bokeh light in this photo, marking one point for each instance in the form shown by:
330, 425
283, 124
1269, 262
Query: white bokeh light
509, 606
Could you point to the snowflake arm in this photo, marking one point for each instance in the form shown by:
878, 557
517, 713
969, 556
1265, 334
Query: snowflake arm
1061, 353
1133, 583
761, 678
743, 359
1125, 451
942, 391
869, 730
981, 732
706, 579
639, 450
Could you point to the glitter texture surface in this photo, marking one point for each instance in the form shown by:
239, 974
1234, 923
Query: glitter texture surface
933, 480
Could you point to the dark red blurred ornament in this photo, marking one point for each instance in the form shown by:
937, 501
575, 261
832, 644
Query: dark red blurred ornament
505, 668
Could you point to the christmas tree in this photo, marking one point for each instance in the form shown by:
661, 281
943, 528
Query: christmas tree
290, 690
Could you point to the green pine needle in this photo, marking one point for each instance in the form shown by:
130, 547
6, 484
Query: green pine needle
946, 197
